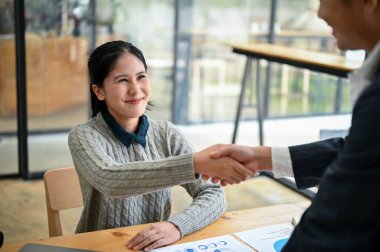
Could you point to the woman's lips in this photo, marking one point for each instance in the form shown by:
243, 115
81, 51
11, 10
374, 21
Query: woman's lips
134, 101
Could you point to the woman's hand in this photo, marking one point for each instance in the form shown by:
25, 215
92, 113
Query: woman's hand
156, 235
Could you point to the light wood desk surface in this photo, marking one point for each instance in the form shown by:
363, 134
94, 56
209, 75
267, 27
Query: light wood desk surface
316, 61
230, 222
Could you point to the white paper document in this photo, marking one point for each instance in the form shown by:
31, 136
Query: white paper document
225, 243
267, 239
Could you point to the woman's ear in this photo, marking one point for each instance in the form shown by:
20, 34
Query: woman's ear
98, 92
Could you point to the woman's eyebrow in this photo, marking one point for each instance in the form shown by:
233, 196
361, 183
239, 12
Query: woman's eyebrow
119, 76
141, 72
126, 75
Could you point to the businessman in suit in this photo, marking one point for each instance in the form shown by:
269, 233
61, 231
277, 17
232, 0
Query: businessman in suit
345, 213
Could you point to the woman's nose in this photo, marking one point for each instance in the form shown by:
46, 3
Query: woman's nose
132, 88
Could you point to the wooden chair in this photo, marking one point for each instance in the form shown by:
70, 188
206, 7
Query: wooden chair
62, 191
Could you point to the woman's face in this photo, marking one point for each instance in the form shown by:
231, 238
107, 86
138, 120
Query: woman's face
126, 90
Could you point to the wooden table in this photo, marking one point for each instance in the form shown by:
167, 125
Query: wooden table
315, 61
230, 222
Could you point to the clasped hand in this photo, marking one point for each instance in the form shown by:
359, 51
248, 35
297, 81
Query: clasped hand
231, 163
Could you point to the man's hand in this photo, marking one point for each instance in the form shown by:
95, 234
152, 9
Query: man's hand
154, 236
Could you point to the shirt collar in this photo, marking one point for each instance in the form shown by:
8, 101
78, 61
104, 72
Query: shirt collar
124, 136
361, 78
371, 64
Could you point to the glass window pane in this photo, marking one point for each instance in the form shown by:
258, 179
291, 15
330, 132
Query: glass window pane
216, 72
149, 25
8, 106
298, 25
296, 91
57, 90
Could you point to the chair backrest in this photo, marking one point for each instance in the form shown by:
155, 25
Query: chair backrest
62, 191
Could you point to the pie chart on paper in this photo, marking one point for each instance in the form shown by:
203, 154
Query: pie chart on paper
278, 245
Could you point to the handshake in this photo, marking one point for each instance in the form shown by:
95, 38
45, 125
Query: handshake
231, 163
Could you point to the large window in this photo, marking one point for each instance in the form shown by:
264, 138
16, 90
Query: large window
214, 73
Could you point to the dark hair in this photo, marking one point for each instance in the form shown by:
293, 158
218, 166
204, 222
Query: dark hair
102, 60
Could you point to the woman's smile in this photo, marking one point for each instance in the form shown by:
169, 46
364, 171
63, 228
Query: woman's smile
134, 101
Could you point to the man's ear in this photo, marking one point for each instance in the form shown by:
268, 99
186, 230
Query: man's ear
98, 92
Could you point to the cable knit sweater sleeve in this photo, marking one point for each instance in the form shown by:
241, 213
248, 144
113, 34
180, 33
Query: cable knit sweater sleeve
209, 201
94, 153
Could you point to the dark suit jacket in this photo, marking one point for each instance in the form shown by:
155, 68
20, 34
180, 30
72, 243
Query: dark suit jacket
345, 214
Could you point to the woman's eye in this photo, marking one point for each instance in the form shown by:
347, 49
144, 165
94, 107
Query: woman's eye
141, 76
122, 80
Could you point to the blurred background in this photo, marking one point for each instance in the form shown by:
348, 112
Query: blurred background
196, 79
195, 76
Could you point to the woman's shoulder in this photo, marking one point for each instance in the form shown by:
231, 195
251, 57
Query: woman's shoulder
89, 132
86, 126
161, 124
89, 129
165, 128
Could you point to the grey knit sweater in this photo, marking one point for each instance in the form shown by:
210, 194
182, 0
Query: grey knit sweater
129, 186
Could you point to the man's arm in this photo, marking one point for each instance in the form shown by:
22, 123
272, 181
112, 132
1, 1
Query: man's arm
310, 161
307, 162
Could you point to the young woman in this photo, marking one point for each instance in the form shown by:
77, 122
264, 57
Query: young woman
127, 162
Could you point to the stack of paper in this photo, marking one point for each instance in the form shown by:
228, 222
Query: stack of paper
264, 239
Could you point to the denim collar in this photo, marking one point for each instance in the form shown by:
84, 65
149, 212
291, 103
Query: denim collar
124, 136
